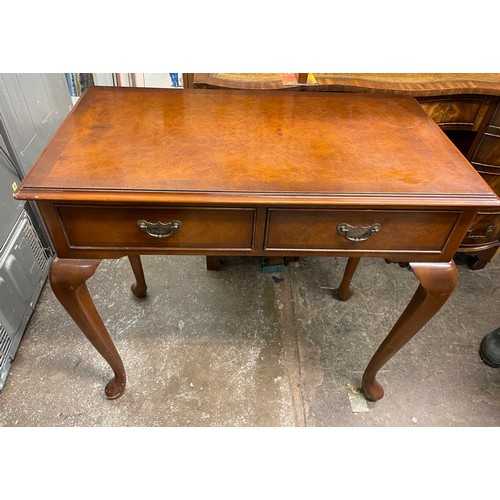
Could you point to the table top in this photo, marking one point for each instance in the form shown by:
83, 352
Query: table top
163, 145
416, 84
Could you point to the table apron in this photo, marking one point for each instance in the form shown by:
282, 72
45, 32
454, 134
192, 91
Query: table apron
103, 230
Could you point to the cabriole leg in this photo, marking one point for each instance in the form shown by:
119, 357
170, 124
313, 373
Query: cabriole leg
345, 291
67, 279
437, 281
139, 288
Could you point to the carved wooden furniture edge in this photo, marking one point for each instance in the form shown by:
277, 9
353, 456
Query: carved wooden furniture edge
418, 84
256, 81
236, 198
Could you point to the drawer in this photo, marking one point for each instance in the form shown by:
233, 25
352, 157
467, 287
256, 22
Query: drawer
466, 113
377, 230
488, 151
88, 226
495, 119
484, 229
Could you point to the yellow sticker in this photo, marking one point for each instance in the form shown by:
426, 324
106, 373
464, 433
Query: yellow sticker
14, 187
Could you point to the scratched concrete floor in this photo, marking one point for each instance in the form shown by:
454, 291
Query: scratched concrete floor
240, 347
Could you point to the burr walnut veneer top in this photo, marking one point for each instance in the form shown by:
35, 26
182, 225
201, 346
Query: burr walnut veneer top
164, 145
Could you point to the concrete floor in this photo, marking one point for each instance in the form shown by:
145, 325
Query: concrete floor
240, 347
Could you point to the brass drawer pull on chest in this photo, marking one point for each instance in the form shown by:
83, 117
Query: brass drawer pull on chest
477, 236
159, 229
357, 233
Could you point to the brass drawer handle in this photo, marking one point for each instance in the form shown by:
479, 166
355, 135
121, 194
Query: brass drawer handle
159, 229
472, 236
357, 233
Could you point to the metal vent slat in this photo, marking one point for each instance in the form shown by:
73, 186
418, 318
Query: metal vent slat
35, 245
5, 343
24, 249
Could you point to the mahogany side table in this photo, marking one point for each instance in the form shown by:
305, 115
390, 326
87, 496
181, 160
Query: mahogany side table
152, 171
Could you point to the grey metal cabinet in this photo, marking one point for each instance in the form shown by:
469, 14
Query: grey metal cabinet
32, 107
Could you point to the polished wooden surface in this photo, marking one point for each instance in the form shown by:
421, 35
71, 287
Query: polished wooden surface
236, 80
436, 283
68, 281
296, 229
118, 142
139, 288
417, 84
152, 171
467, 103
456, 112
203, 228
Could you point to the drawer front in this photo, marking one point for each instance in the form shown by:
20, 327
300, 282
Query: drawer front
485, 229
495, 119
463, 113
376, 230
488, 151
200, 228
